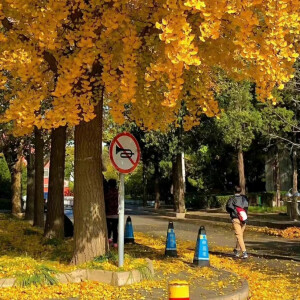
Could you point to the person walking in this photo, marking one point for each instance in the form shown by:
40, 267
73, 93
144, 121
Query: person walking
112, 214
237, 207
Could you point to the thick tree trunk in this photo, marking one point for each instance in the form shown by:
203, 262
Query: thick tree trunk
277, 178
156, 185
90, 232
294, 207
242, 180
178, 185
144, 185
16, 177
30, 187
39, 179
54, 227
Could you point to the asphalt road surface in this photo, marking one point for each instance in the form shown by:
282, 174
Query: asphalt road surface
270, 251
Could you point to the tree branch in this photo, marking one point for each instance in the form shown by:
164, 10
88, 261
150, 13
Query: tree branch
49, 58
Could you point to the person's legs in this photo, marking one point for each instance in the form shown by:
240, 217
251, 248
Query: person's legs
243, 227
115, 230
239, 230
109, 229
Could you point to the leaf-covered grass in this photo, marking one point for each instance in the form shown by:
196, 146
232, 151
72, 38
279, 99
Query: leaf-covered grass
110, 262
25, 253
265, 209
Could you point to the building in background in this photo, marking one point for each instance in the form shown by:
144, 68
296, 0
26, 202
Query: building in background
67, 191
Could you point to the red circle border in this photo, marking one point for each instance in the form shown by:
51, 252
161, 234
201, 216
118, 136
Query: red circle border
138, 152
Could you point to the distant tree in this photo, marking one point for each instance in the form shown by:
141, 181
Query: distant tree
69, 165
239, 121
5, 178
281, 127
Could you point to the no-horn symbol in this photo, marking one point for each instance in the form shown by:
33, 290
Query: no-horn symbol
125, 153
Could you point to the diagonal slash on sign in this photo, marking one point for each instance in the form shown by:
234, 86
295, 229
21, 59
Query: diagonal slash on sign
119, 144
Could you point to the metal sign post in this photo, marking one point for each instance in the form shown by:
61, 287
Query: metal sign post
125, 155
121, 220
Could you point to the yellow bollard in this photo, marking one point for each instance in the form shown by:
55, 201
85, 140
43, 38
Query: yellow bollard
179, 290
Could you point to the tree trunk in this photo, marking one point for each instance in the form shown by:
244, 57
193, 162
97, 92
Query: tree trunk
90, 231
156, 185
30, 187
178, 185
54, 227
277, 178
144, 184
16, 179
39, 179
294, 206
242, 179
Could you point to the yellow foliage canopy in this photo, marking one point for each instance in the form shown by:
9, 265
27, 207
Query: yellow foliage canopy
56, 56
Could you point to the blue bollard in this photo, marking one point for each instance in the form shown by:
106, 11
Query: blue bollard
201, 257
171, 249
129, 237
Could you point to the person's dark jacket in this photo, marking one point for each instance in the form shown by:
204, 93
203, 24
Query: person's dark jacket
111, 202
68, 227
237, 200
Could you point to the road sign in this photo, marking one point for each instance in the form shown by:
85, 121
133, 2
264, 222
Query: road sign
125, 155
124, 152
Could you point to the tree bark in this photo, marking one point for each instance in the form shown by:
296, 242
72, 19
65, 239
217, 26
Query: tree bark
90, 231
242, 180
178, 185
54, 227
294, 206
144, 185
156, 185
29, 212
39, 179
277, 178
16, 178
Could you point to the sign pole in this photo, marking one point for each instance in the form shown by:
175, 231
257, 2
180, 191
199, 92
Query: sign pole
124, 153
121, 220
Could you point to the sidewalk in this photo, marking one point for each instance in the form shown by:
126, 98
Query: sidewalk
271, 220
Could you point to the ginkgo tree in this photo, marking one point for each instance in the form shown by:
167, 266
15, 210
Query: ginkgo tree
66, 56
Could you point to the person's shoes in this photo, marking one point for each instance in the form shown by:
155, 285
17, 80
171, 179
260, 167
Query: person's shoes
244, 255
110, 241
115, 245
236, 253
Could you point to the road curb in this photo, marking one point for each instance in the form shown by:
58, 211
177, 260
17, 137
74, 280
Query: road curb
240, 294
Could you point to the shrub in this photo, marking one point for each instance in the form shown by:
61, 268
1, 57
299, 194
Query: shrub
5, 179
222, 200
196, 201
5, 204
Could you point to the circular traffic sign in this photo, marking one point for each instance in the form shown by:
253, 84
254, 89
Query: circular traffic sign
124, 152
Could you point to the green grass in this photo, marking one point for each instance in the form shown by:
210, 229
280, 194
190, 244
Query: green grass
112, 256
44, 275
265, 209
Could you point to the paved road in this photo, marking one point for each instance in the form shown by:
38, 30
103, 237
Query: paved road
265, 250
218, 234
274, 255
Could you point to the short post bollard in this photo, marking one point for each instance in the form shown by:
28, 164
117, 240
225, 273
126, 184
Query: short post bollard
179, 290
